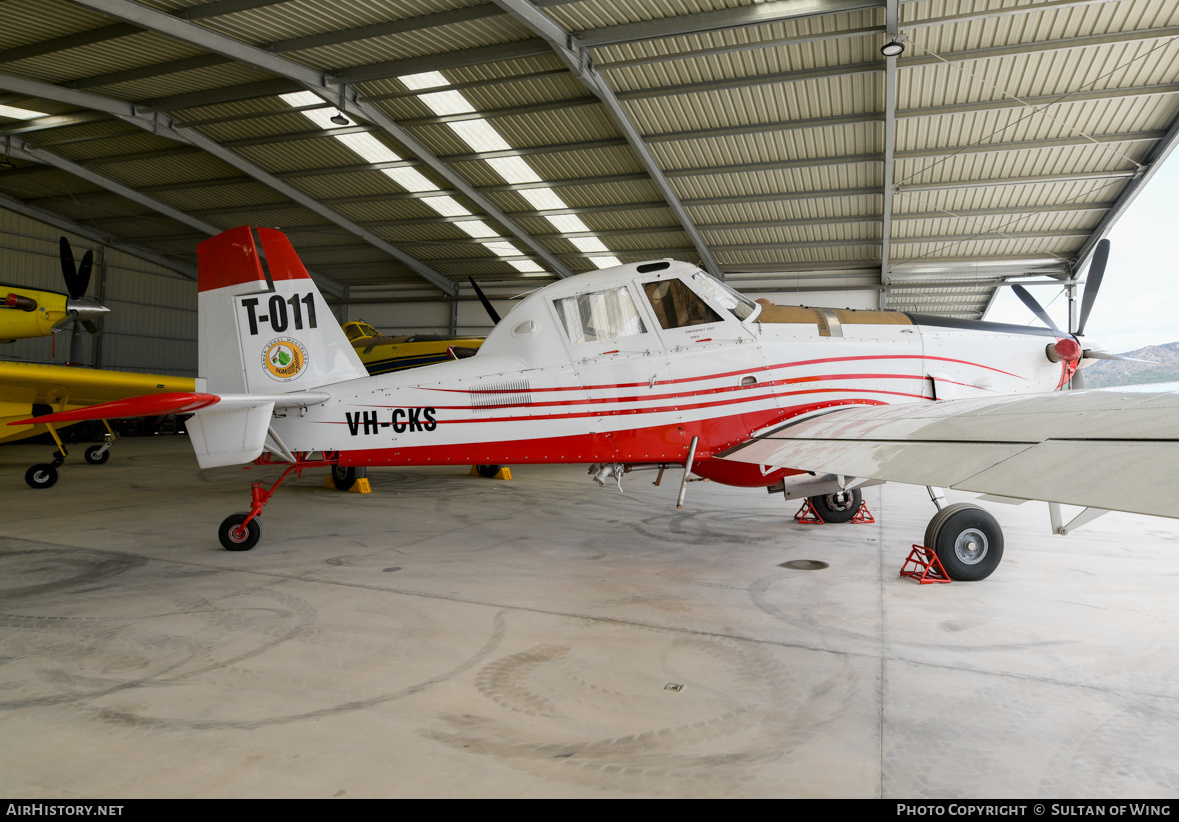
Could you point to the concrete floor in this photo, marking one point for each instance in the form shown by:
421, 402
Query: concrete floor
453, 636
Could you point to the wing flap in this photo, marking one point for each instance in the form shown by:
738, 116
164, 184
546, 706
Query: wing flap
924, 463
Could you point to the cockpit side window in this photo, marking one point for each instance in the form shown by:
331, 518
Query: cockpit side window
724, 296
600, 315
676, 305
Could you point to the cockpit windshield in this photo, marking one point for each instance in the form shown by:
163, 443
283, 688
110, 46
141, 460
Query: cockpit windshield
741, 306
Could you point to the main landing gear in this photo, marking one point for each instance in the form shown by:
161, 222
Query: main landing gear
44, 475
838, 507
967, 540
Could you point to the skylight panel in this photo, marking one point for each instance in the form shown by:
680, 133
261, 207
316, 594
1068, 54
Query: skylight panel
477, 228
588, 244
481, 136
514, 170
446, 206
427, 79
542, 199
20, 113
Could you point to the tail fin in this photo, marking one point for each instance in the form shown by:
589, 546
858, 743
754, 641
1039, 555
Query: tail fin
260, 334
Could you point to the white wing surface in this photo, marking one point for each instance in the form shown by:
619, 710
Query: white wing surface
1116, 449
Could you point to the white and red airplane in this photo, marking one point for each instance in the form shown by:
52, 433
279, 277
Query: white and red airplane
659, 364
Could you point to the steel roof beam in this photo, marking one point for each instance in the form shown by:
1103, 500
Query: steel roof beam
385, 28
68, 41
163, 127
1006, 12
1017, 181
890, 138
499, 52
581, 66
910, 62
719, 20
323, 85
52, 121
907, 114
18, 148
100, 237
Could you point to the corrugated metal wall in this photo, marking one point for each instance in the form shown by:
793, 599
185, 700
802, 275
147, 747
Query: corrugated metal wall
152, 326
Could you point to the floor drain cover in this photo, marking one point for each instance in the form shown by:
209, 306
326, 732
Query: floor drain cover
804, 565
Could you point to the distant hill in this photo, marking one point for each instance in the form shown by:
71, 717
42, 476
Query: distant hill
1108, 373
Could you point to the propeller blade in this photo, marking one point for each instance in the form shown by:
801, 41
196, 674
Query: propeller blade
90, 326
77, 281
1077, 383
1027, 299
69, 271
1092, 283
1105, 355
483, 299
84, 274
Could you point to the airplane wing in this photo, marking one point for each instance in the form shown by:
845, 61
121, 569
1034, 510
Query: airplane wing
25, 385
1115, 449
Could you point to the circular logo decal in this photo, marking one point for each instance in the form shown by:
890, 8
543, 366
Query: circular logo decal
284, 359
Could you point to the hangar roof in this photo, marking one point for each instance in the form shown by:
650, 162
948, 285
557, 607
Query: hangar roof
412, 144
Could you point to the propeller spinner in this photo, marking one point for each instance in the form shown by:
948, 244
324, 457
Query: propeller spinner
1067, 348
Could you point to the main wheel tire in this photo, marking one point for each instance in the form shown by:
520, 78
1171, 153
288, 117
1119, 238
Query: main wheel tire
343, 478
487, 471
236, 538
43, 475
967, 540
838, 507
95, 455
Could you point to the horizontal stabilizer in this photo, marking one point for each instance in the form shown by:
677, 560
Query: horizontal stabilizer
147, 405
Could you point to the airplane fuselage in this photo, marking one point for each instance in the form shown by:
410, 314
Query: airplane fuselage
628, 366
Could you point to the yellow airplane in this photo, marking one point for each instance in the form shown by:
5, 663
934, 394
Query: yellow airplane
34, 390
27, 312
381, 354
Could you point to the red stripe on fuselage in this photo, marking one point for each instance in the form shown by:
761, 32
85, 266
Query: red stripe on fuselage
661, 443
606, 386
651, 398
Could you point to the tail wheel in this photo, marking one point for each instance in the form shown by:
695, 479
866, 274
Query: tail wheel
43, 475
487, 471
967, 540
237, 537
838, 507
97, 454
345, 478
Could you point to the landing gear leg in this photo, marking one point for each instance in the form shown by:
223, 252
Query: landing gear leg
243, 530
98, 454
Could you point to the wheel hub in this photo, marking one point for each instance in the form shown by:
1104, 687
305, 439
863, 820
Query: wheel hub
971, 546
839, 501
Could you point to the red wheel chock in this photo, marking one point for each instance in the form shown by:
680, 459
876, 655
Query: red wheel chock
927, 568
807, 515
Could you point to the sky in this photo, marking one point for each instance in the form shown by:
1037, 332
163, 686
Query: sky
1138, 304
